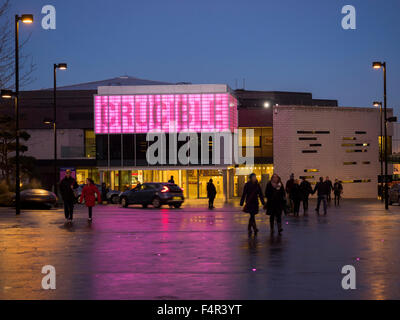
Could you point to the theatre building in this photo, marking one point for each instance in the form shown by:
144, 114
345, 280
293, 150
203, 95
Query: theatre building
125, 115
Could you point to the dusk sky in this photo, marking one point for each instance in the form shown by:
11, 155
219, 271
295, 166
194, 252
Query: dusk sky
285, 45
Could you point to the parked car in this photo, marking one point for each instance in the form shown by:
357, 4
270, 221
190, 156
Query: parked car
112, 196
154, 193
42, 197
394, 194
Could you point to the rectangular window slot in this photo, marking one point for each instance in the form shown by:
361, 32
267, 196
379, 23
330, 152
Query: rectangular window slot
312, 132
361, 132
307, 138
355, 144
311, 170
315, 145
366, 162
356, 181
309, 151
349, 138
307, 177
357, 150
348, 163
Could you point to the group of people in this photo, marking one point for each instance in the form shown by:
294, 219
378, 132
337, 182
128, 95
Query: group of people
277, 196
89, 194
300, 192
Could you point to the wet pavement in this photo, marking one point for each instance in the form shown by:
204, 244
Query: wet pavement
195, 253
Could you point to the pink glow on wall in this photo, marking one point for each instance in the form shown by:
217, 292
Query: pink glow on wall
168, 113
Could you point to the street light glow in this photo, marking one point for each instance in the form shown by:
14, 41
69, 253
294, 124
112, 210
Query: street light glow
377, 104
62, 66
27, 18
7, 94
267, 104
377, 65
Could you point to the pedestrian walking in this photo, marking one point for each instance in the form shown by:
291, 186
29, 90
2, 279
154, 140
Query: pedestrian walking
171, 180
330, 188
337, 191
322, 190
211, 193
251, 193
306, 190
88, 194
288, 189
276, 202
296, 197
67, 186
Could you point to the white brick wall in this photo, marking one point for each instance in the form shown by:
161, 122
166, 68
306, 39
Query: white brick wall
341, 122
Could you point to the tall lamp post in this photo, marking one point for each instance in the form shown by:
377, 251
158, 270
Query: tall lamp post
7, 94
379, 65
61, 66
379, 104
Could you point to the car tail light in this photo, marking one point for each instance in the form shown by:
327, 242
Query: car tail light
165, 189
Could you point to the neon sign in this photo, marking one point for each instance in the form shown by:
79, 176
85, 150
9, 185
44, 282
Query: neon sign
165, 113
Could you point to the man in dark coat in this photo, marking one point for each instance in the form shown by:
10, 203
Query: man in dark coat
67, 186
330, 188
306, 189
211, 193
171, 180
288, 189
251, 194
337, 191
322, 190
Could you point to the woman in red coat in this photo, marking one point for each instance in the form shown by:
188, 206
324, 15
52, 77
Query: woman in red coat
89, 192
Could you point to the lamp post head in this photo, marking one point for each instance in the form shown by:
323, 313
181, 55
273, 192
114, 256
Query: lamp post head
26, 18
377, 104
7, 94
267, 104
61, 66
47, 121
377, 65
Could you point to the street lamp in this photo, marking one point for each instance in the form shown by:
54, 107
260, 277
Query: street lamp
60, 66
8, 94
379, 65
379, 104
267, 104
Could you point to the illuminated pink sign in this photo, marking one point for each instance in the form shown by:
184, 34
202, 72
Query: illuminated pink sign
166, 113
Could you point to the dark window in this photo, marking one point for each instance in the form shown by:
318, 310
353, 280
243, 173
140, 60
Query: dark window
361, 132
128, 149
315, 145
307, 177
307, 138
309, 151
115, 150
349, 163
80, 116
141, 149
311, 170
102, 149
366, 162
357, 150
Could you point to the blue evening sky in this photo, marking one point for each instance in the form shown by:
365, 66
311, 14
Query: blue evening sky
286, 45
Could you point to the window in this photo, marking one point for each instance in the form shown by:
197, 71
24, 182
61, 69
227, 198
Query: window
307, 177
311, 170
309, 151
356, 181
349, 163
366, 162
307, 138
355, 144
357, 150
313, 132
90, 144
361, 132
315, 145
349, 138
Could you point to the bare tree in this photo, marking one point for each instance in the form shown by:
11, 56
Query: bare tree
7, 52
